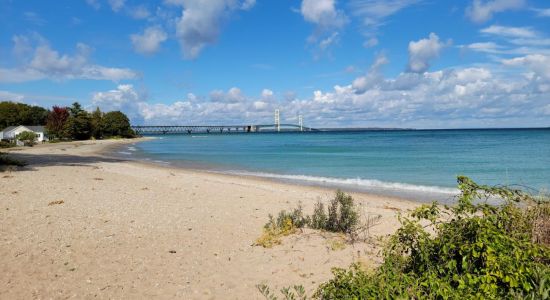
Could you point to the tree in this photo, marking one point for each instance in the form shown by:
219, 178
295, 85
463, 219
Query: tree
57, 121
115, 123
79, 126
14, 114
27, 137
97, 124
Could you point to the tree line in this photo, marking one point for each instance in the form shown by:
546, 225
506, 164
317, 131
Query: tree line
67, 123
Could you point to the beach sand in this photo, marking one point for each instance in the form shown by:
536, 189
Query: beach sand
78, 224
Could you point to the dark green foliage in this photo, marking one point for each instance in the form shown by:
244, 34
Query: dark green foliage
14, 114
116, 123
472, 250
79, 125
96, 120
27, 137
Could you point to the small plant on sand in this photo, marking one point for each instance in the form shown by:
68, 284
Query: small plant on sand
286, 223
297, 292
342, 216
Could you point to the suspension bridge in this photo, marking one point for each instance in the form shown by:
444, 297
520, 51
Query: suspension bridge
191, 129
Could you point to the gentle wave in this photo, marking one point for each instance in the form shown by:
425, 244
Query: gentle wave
368, 184
124, 152
133, 149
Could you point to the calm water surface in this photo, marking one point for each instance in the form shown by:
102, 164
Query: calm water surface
420, 164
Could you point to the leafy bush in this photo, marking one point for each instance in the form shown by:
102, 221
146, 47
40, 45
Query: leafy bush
28, 138
472, 250
6, 144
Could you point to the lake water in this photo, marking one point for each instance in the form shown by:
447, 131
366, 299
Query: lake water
417, 164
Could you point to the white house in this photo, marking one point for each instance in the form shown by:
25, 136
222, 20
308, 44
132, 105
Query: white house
9, 133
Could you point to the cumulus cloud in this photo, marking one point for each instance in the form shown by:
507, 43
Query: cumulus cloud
201, 21
423, 51
373, 77
149, 41
481, 11
537, 63
327, 19
94, 3
43, 62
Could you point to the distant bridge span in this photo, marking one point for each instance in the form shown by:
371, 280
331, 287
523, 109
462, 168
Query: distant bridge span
189, 129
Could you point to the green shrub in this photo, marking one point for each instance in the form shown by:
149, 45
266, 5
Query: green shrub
27, 137
6, 144
472, 250
342, 217
319, 218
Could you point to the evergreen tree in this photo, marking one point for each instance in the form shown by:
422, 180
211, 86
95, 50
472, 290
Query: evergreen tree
79, 125
97, 124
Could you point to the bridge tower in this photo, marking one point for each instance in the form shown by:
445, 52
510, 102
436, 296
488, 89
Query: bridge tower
301, 122
277, 120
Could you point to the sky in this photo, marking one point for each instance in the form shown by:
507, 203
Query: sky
355, 63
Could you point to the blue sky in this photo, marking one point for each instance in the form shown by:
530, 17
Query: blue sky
393, 63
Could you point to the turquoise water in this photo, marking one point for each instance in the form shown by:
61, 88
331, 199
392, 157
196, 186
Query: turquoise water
420, 164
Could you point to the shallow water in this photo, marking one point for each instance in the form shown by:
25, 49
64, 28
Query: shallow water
418, 164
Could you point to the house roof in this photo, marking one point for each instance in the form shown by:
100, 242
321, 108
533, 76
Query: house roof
32, 128
9, 128
35, 128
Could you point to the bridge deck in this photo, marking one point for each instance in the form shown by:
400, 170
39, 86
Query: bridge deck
178, 129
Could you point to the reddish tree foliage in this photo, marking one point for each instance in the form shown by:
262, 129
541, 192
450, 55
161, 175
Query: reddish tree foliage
56, 121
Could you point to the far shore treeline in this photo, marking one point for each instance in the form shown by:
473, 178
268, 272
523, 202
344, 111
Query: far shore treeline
67, 123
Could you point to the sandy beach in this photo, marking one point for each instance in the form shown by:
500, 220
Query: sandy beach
76, 223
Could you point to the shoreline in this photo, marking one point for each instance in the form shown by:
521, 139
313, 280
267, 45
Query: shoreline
420, 194
110, 152
77, 223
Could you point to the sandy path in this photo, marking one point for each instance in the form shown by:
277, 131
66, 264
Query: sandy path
113, 235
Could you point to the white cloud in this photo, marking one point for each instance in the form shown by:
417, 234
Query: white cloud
117, 5
43, 62
139, 12
517, 32
94, 3
327, 19
422, 52
201, 22
323, 13
373, 14
373, 76
149, 41
470, 97
537, 63
483, 10
544, 12
9, 96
